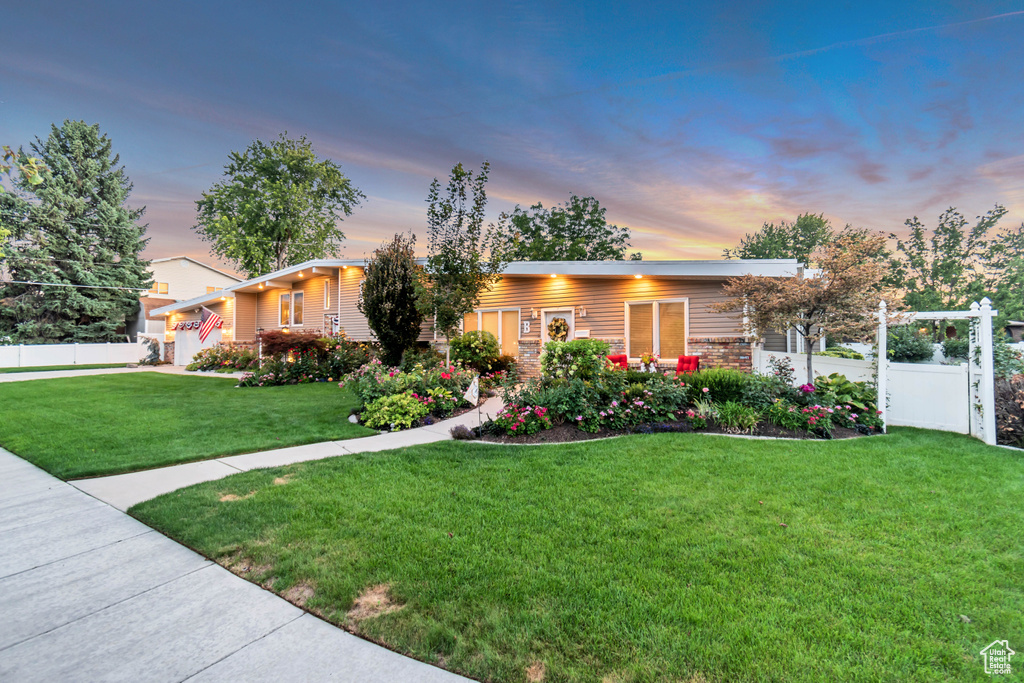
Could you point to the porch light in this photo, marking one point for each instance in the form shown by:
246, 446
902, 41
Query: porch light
261, 285
554, 275
638, 276
300, 273
285, 329
344, 267
223, 298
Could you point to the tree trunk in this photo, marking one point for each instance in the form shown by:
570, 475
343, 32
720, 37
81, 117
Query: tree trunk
810, 355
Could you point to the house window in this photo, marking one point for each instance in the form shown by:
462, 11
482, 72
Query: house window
327, 294
211, 290
503, 324
286, 315
158, 288
657, 326
297, 308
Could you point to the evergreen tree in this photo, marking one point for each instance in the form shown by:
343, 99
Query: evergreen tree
75, 233
388, 297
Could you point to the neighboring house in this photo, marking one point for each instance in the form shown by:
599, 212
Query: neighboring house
176, 278
182, 277
638, 306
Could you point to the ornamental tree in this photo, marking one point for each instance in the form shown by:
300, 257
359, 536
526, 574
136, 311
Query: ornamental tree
576, 231
840, 297
76, 237
279, 205
388, 297
463, 259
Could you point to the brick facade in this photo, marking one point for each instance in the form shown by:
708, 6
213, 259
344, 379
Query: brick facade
722, 352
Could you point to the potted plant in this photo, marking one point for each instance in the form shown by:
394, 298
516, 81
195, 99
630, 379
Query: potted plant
649, 362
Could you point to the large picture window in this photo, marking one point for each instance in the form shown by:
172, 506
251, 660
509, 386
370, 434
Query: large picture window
503, 324
657, 327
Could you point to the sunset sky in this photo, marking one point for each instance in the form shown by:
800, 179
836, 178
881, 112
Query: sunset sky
692, 126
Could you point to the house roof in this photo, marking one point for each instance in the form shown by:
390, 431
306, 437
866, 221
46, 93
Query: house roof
149, 304
198, 263
712, 270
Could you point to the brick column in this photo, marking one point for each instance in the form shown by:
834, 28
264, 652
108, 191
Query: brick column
722, 352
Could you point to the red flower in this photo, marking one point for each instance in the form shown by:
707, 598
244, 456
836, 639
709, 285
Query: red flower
445, 375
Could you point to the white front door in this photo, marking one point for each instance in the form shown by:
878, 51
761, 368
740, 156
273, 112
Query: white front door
568, 315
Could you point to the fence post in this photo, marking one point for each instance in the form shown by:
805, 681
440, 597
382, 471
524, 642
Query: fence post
882, 363
988, 375
21, 349
75, 359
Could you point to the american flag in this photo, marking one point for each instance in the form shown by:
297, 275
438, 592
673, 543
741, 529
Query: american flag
210, 321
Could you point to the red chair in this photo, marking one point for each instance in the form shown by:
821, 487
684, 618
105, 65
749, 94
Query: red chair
620, 361
688, 364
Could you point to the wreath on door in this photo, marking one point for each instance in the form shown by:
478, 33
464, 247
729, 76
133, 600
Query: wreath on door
558, 329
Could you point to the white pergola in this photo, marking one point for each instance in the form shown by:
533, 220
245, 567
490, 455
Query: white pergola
981, 375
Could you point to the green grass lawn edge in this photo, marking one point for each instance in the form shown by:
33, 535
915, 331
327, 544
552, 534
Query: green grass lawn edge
650, 557
99, 425
56, 368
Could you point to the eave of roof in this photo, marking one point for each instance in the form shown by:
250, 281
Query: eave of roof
719, 269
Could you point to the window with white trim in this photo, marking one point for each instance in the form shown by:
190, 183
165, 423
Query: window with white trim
297, 298
327, 294
659, 327
502, 323
286, 309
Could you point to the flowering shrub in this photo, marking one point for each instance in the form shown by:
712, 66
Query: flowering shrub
577, 359
477, 349
374, 380
516, 420
397, 411
439, 401
223, 358
325, 361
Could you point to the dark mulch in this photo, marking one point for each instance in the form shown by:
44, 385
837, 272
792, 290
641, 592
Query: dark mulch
565, 433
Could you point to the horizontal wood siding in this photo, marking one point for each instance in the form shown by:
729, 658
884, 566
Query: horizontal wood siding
352, 321
604, 300
775, 341
245, 316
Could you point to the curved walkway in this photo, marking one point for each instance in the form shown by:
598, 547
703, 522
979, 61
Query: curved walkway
124, 490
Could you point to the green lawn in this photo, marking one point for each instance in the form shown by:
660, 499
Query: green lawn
108, 424
678, 557
53, 368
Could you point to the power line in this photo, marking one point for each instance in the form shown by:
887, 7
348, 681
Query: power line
88, 287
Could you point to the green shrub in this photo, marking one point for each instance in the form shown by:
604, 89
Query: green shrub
397, 411
477, 349
956, 347
736, 417
786, 415
1008, 360
836, 389
840, 352
761, 391
222, 358
374, 380
580, 358
428, 358
907, 345
722, 384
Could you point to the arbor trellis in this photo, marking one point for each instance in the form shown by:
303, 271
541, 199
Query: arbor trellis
981, 364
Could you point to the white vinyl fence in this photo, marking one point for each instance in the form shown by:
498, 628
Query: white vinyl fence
33, 355
920, 395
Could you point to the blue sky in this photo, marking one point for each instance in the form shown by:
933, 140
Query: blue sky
692, 125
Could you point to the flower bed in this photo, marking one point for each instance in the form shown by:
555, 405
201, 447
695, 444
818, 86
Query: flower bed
312, 359
393, 399
581, 397
223, 358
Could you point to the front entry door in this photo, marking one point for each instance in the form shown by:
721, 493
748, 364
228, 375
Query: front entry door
566, 315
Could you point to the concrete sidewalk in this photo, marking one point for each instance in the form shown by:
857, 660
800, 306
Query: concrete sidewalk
57, 374
124, 490
89, 594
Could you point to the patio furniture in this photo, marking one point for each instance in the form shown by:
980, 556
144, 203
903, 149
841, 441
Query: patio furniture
688, 364
620, 360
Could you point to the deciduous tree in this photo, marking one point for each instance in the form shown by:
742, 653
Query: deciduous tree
944, 271
76, 234
798, 239
279, 205
577, 231
463, 259
840, 297
388, 297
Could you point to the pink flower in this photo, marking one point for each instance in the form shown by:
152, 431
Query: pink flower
705, 390
690, 413
579, 418
445, 375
